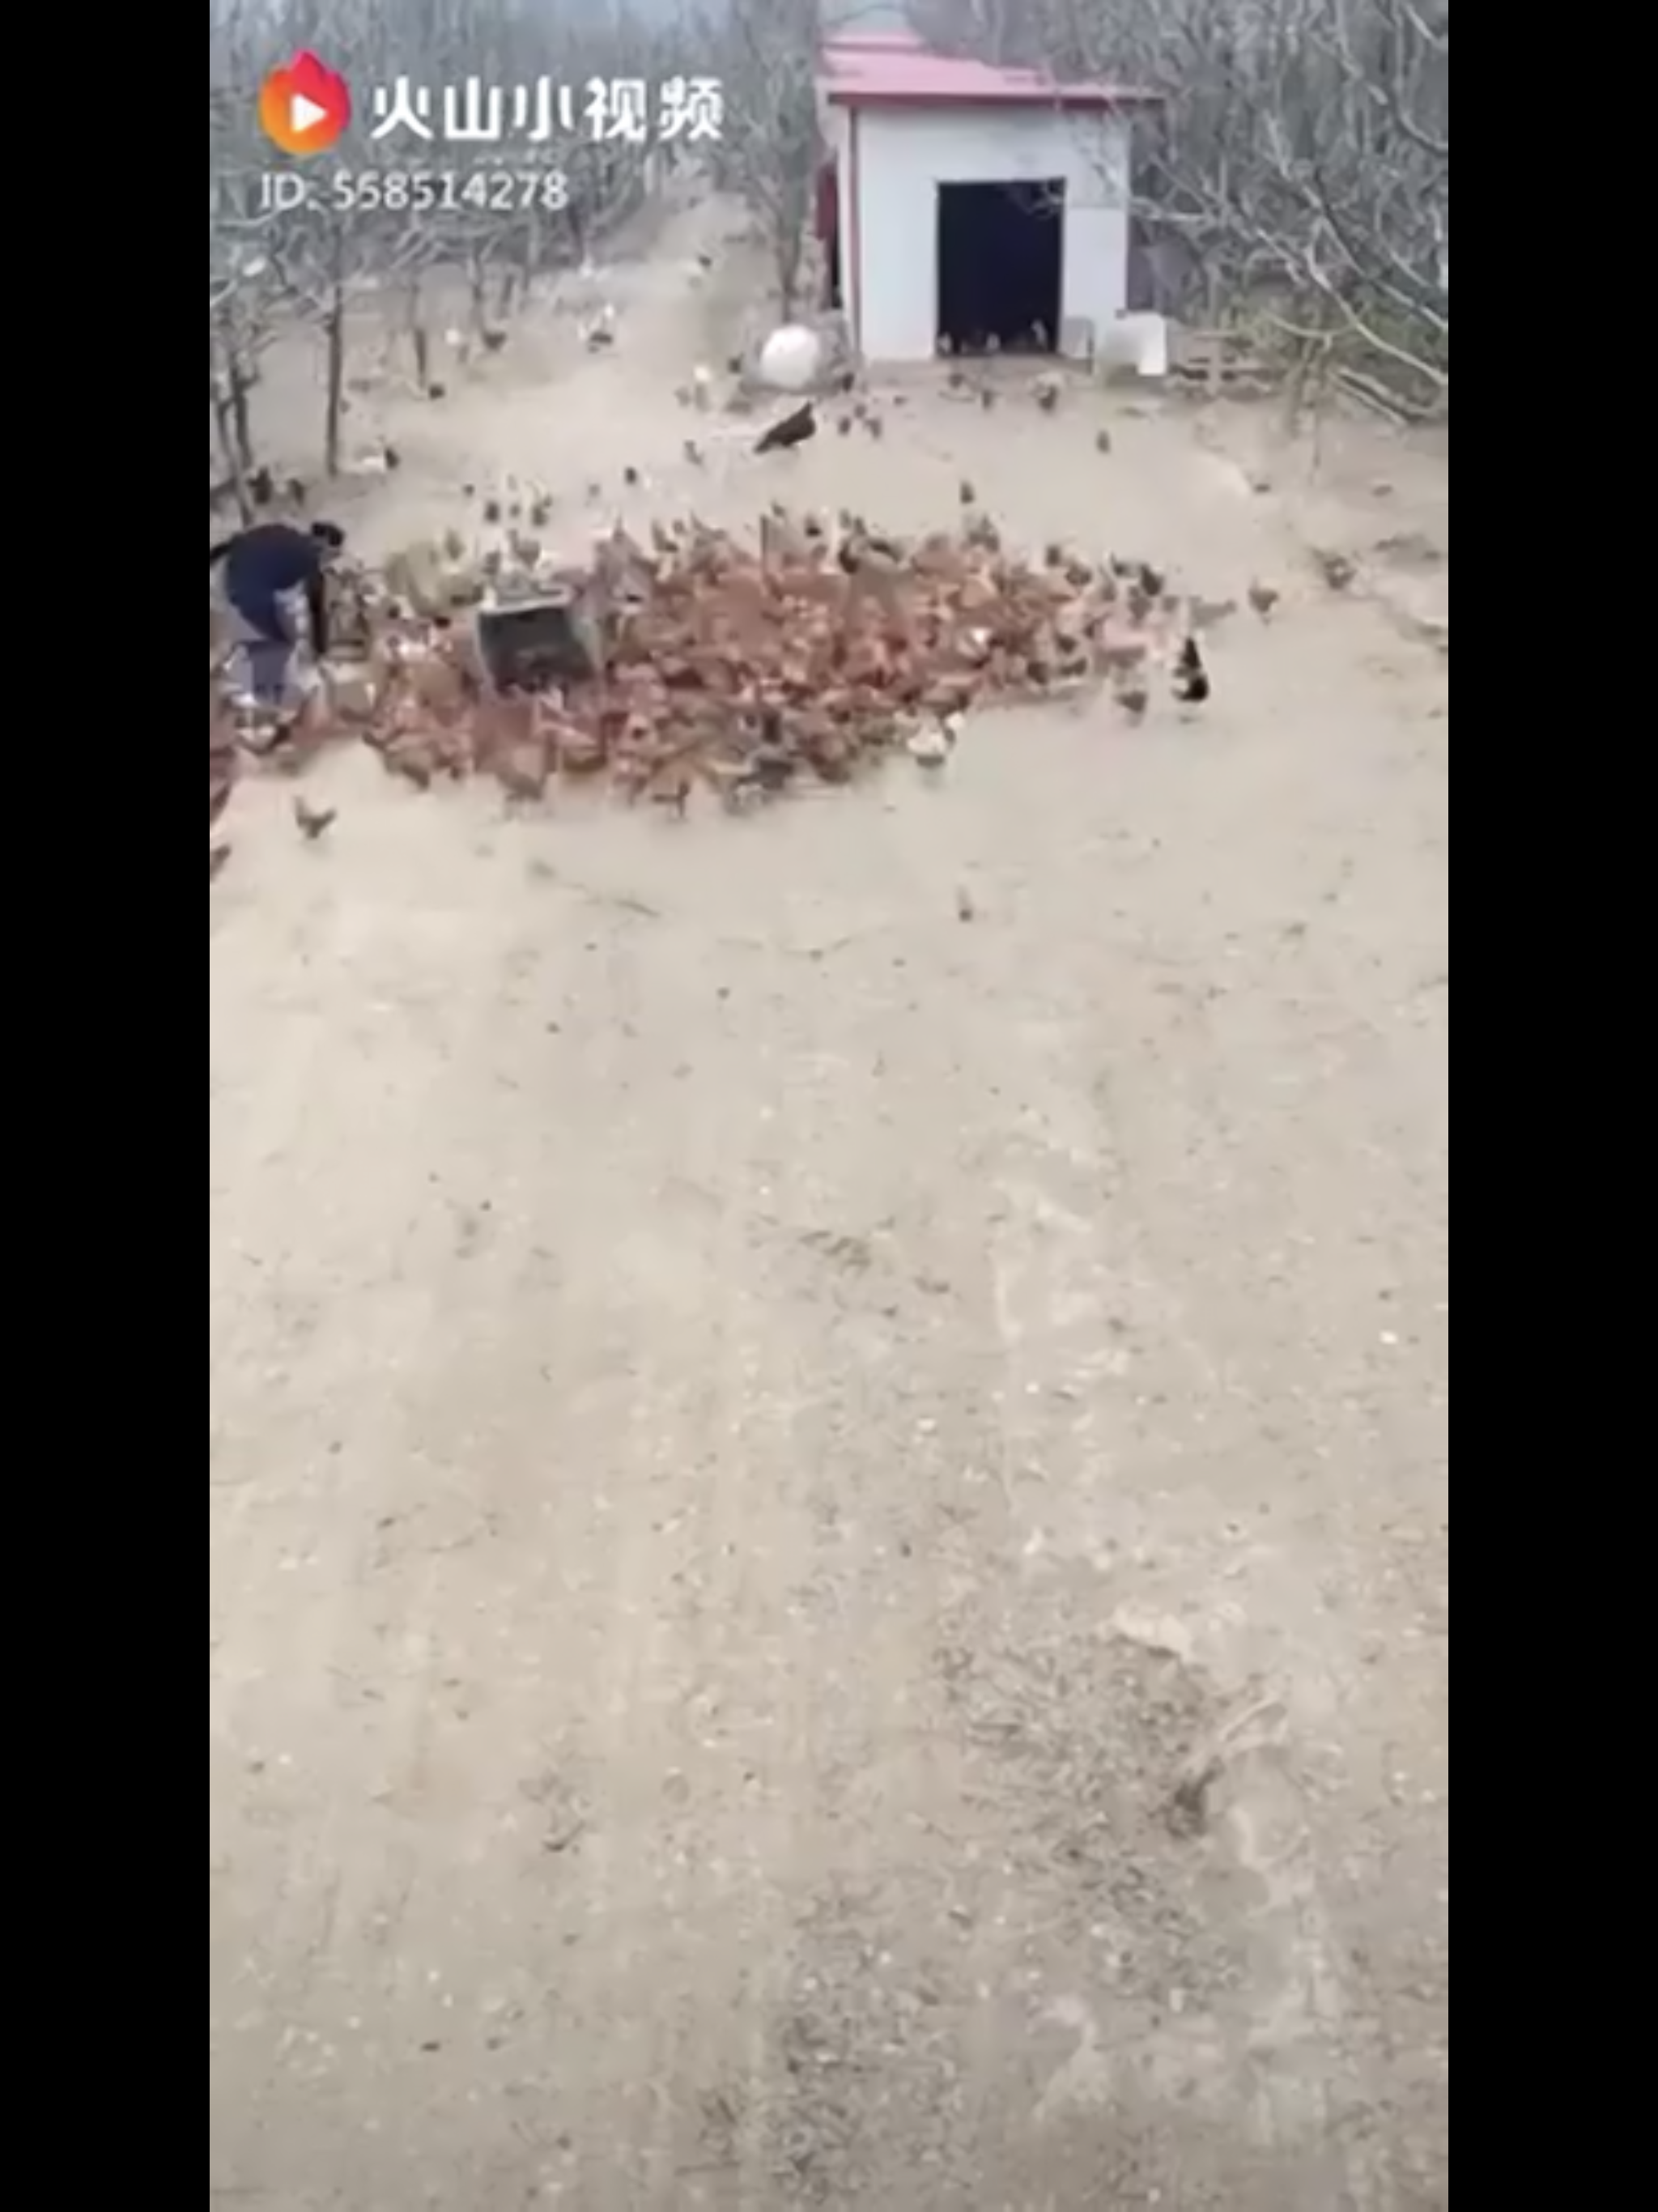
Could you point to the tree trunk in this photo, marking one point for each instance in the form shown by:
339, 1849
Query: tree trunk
224, 423
240, 418
334, 329
420, 340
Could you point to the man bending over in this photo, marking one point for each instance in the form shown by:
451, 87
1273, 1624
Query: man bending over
262, 566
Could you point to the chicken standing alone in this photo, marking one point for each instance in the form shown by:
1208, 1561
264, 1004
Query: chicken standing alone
793, 430
1192, 685
311, 822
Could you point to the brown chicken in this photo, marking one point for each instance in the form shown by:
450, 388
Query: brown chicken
750, 669
522, 770
673, 794
414, 763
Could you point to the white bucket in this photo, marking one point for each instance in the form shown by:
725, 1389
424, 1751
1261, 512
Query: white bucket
1138, 343
792, 359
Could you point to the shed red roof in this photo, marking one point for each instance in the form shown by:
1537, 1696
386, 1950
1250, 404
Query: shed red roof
897, 72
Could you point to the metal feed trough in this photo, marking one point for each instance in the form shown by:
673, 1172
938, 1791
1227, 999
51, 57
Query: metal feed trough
534, 645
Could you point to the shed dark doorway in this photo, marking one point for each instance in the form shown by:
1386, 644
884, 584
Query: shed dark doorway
1000, 250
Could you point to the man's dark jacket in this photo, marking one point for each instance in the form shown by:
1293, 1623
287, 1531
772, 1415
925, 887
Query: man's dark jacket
261, 564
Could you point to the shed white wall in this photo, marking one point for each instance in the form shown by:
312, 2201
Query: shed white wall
891, 162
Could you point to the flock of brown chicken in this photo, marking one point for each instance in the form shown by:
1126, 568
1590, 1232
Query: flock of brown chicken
740, 667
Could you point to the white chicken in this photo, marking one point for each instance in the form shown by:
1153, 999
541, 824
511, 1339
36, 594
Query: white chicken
599, 330
931, 747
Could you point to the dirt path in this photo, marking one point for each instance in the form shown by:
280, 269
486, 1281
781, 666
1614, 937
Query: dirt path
828, 1524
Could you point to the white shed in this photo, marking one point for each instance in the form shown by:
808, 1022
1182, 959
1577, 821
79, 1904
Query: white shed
975, 208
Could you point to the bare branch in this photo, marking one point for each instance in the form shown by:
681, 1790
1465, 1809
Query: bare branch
1301, 169
767, 53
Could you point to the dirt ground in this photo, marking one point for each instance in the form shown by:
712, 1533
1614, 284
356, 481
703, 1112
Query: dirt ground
828, 1550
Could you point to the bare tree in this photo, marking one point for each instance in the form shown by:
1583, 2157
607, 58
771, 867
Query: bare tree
1301, 168
767, 53
1012, 34
356, 234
